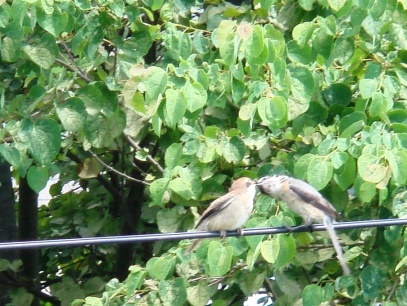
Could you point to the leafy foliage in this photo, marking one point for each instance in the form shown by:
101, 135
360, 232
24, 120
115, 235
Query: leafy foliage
186, 97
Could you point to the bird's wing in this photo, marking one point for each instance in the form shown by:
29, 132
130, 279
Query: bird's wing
310, 195
216, 206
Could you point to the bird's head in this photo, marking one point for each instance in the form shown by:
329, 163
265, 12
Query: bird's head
271, 183
242, 185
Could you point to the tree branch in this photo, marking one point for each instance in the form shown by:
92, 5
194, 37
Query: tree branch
75, 67
116, 171
149, 157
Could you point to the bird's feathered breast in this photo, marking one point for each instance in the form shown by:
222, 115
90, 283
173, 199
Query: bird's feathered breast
216, 206
310, 195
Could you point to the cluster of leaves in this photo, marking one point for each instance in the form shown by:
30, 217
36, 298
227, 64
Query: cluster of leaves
315, 89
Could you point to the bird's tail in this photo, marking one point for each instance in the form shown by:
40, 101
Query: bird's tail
195, 244
334, 238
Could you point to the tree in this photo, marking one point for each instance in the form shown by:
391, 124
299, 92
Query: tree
151, 108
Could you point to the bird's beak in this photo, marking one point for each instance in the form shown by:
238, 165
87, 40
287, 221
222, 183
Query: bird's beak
257, 183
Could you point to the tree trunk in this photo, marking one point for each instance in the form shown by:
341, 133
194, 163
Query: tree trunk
131, 213
8, 228
28, 230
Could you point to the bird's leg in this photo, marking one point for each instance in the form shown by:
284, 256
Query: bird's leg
222, 234
240, 232
303, 226
307, 225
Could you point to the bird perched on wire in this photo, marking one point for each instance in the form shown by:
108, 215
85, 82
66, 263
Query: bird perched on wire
229, 212
307, 202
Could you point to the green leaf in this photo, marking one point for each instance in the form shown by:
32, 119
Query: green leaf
173, 155
298, 54
372, 282
175, 106
351, 124
339, 159
233, 150
182, 187
343, 50
370, 168
219, 258
399, 35
378, 105
273, 111
48, 6
196, 96
67, 290
161, 268
173, 292
154, 4
238, 90
367, 87
138, 103
10, 49
92, 98
345, 175
302, 33
336, 5
72, 114
200, 294
158, 189
302, 83
337, 93
227, 50
398, 206
98, 99
43, 138
155, 82
247, 111
252, 282
312, 295
135, 279
20, 296
269, 250
37, 178
93, 301
200, 42
301, 165
365, 191
40, 55
306, 4
397, 159
286, 252
401, 264
392, 234
256, 222
319, 173
322, 42
168, 220
54, 23
178, 43
255, 43
10, 154
102, 132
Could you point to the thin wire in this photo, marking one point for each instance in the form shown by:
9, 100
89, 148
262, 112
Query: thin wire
38, 244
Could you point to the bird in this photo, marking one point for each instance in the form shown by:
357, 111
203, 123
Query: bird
229, 212
307, 202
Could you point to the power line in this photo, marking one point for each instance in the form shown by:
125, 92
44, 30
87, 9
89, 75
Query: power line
74, 242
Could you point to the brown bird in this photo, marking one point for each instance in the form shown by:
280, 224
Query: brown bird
229, 212
307, 202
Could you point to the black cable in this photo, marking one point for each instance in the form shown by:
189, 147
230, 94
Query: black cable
191, 235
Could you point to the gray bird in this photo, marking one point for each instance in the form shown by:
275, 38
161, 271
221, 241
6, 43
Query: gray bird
229, 212
307, 202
